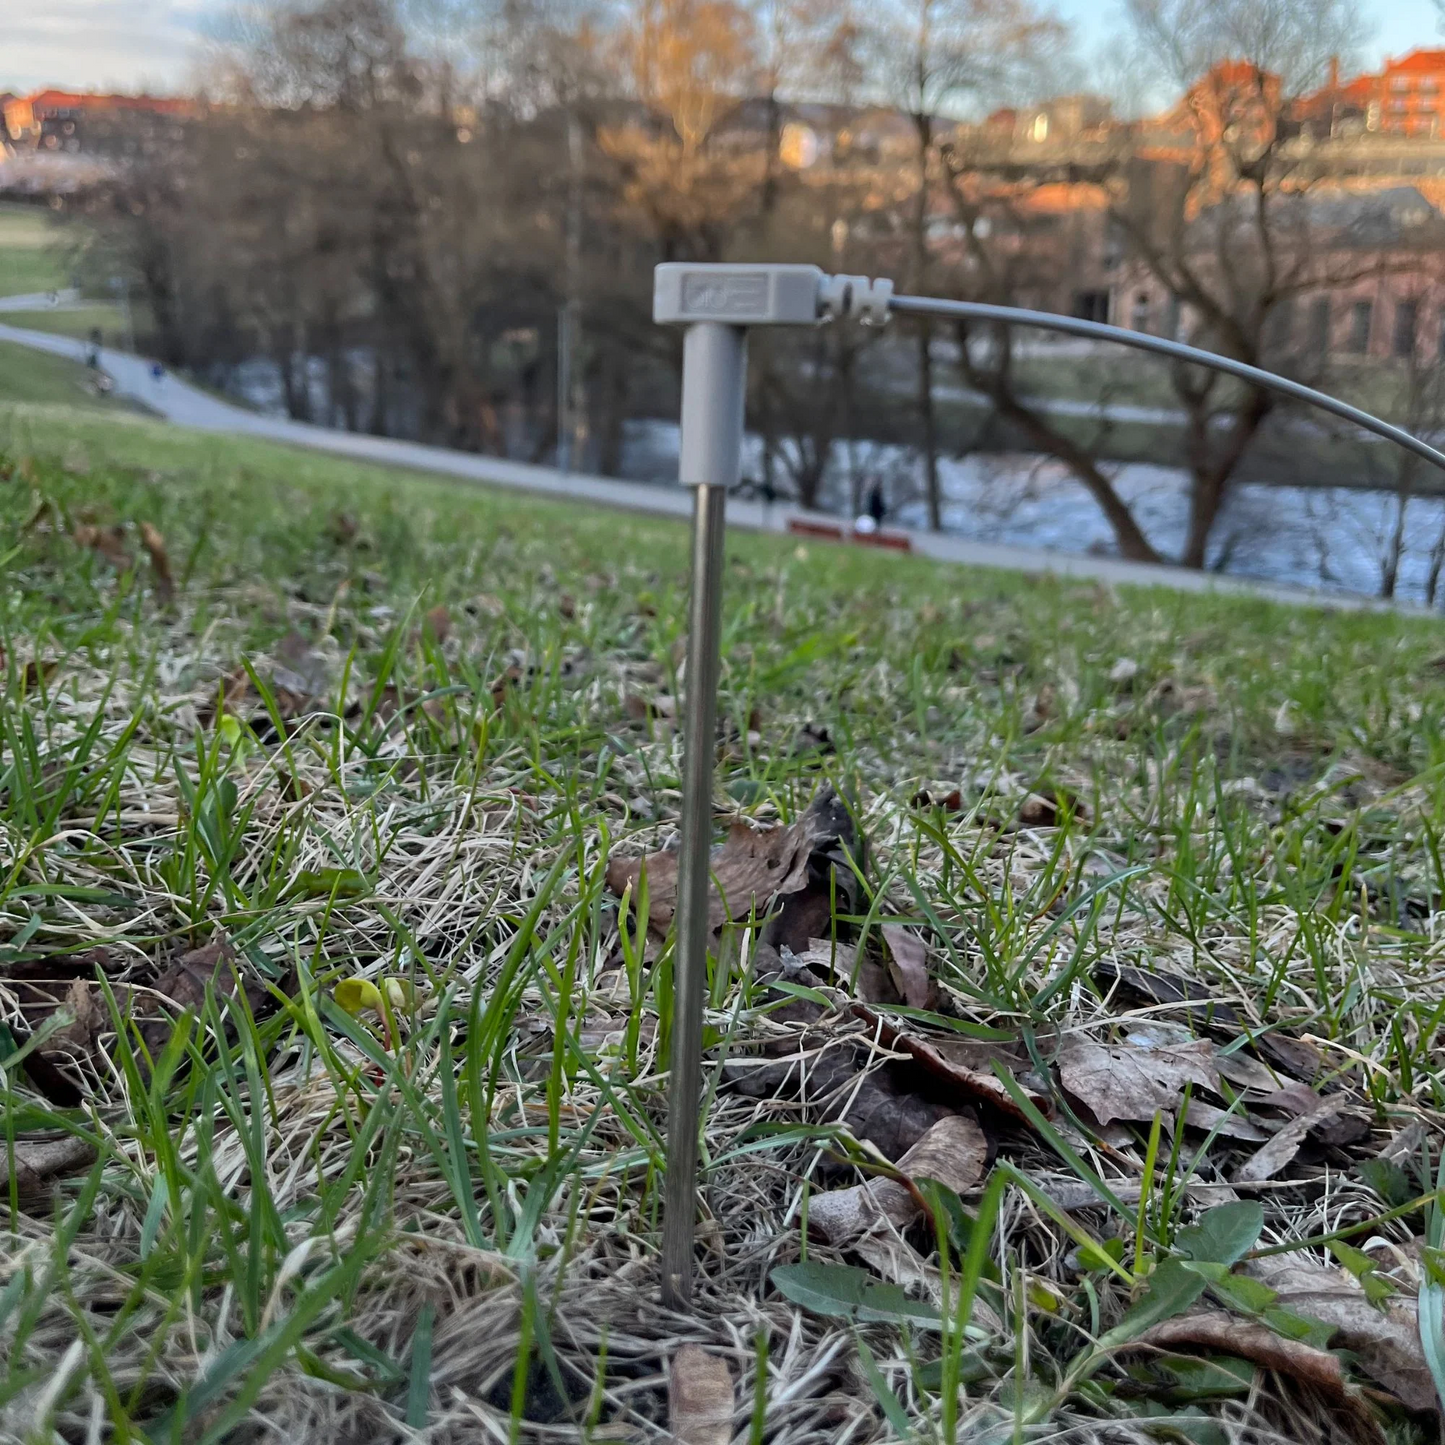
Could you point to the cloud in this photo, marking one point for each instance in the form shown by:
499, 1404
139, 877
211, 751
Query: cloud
101, 44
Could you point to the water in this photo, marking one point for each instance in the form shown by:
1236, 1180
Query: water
1333, 537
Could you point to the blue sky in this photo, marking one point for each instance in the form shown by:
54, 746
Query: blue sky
127, 44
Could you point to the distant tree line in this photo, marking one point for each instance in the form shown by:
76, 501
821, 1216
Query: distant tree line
404, 204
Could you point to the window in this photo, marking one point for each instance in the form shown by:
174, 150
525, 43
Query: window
1279, 328
1319, 343
1091, 305
1400, 82
1140, 321
1362, 313
1407, 320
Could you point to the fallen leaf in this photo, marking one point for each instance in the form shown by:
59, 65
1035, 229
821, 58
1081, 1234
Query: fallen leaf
155, 546
439, 623
77, 1036
1286, 1144
966, 1065
1236, 1125
1124, 670
1215, 1330
1042, 810
1165, 988
884, 1107
752, 868
108, 542
908, 965
343, 527
699, 1398
35, 1162
1384, 1341
299, 668
1133, 1080
954, 1152
183, 986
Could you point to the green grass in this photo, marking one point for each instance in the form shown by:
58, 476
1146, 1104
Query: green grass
32, 252
36, 376
306, 1224
78, 321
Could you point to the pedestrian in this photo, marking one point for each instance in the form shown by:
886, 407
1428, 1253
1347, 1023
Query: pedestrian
157, 372
877, 507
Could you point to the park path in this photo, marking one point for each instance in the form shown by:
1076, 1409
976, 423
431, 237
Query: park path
185, 405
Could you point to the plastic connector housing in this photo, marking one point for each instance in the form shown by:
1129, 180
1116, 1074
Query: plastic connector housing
761, 295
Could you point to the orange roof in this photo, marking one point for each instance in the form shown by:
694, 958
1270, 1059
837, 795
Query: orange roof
1063, 196
1417, 61
86, 100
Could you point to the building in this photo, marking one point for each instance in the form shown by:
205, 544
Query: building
58, 120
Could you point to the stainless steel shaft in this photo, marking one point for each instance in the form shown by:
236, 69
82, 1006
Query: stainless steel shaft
690, 957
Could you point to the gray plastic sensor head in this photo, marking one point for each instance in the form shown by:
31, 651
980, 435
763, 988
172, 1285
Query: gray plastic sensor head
764, 295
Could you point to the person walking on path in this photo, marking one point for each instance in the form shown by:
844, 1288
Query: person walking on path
877, 507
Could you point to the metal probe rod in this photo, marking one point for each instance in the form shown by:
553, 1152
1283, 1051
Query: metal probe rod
1163, 346
713, 375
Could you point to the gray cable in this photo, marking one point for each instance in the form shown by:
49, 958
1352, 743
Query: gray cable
1162, 346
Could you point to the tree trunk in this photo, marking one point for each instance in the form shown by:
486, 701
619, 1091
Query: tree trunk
1211, 474
1390, 573
998, 386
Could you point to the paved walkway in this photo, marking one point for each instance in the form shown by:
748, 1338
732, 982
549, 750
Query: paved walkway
188, 406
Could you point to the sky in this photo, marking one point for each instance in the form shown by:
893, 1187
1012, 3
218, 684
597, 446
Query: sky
134, 44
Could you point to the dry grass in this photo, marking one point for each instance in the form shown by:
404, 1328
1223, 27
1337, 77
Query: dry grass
442, 1224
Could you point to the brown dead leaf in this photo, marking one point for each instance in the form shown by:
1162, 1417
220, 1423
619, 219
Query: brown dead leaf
37, 672
950, 802
1206, 1117
1384, 1341
750, 868
76, 1037
1042, 810
293, 789
438, 622
37, 1161
1216, 1331
343, 527
1165, 988
1137, 1078
504, 683
183, 985
962, 1064
1286, 1143
954, 1152
299, 669
699, 1398
155, 546
908, 965
107, 542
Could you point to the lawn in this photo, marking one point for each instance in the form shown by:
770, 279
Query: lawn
32, 254
36, 376
80, 321
336, 1026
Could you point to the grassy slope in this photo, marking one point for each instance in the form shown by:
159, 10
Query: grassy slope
79, 321
30, 258
36, 376
1262, 798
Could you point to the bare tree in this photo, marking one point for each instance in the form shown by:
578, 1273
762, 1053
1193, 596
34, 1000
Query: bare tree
929, 55
1221, 217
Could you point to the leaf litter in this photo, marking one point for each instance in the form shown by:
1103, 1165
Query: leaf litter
871, 997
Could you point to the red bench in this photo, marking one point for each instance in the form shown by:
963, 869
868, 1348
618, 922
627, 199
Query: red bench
838, 532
